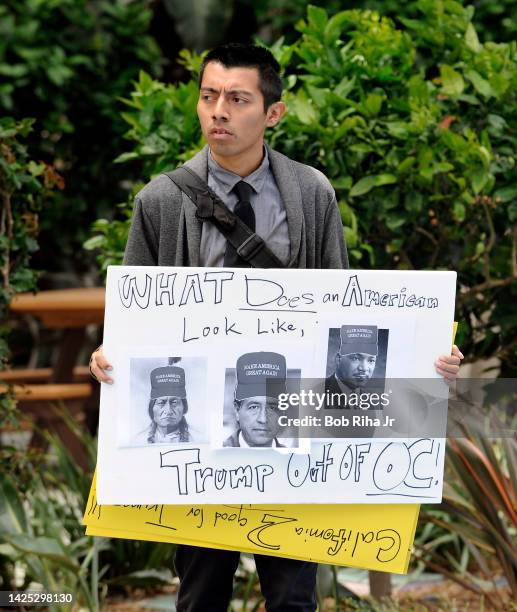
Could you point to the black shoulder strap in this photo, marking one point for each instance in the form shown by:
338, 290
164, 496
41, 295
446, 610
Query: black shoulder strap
211, 208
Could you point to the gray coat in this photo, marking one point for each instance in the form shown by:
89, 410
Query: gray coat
165, 232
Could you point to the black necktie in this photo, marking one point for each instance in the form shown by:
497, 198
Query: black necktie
245, 212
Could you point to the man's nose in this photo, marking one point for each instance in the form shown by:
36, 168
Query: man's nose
221, 109
262, 415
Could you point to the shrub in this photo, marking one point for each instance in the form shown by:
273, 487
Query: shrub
65, 63
415, 128
26, 186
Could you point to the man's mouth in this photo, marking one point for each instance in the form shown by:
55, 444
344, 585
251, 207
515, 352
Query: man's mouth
220, 132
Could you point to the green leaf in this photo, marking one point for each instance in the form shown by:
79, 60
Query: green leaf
507, 193
406, 164
398, 129
452, 81
395, 221
12, 514
42, 547
35, 169
124, 157
367, 183
145, 578
458, 212
302, 108
485, 156
334, 27
471, 39
478, 180
14, 70
442, 167
413, 202
317, 17
351, 237
343, 182
373, 104
481, 85
418, 89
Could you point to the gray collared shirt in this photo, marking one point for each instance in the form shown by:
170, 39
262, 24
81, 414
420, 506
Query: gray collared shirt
270, 215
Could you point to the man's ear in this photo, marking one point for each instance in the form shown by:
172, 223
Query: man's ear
236, 406
274, 113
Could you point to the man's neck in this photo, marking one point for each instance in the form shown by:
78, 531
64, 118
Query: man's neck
244, 163
166, 429
345, 386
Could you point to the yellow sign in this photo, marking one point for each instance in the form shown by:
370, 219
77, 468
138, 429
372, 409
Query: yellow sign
372, 536
377, 537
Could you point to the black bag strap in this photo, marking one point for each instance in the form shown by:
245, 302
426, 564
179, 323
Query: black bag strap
211, 208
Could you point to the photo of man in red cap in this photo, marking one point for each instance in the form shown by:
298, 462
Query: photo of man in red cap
261, 378
167, 406
359, 361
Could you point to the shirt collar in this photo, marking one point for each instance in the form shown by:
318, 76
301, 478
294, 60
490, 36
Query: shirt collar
343, 386
227, 180
244, 444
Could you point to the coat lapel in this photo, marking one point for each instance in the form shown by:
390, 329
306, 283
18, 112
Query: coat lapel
199, 164
289, 189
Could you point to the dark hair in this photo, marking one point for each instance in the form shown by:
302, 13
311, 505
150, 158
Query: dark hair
235, 55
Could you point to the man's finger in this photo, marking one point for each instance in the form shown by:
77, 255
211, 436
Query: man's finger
100, 374
102, 362
447, 369
448, 360
99, 365
456, 352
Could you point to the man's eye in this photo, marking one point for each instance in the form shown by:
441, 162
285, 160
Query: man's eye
239, 100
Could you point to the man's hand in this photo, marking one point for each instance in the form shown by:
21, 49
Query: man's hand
448, 366
99, 366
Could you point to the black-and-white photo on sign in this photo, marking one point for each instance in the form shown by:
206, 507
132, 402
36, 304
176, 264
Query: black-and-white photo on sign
253, 393
167, 400
356, 359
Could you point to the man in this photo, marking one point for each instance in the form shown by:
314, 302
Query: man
355, 359
294, 211
260, 380
167, 407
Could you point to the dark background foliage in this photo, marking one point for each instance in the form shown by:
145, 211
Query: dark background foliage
65, 63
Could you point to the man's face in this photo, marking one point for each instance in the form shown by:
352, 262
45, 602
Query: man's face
168, 410
231, 110
355, 369
258, 420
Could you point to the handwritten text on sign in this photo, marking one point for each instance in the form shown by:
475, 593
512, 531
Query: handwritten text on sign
204, 321
374, 537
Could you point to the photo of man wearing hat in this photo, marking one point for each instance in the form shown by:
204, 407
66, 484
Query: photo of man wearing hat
355, 360
168, 405
261, 378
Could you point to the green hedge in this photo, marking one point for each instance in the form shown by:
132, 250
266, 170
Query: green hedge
415, 128
65, 63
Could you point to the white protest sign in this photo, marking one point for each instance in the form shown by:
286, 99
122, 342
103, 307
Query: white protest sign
186, 342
